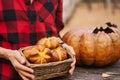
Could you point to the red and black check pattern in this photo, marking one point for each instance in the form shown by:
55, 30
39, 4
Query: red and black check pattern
22, 24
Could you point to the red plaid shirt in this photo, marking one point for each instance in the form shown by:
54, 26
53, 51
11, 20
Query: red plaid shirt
22, 24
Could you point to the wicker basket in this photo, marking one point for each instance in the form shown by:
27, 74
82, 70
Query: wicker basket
49, 70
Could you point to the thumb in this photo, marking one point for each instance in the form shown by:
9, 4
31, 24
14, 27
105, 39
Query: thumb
19, 57
69, 48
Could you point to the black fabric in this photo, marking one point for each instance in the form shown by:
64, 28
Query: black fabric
9, 15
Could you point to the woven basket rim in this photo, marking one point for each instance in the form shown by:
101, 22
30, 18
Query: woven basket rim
69, 60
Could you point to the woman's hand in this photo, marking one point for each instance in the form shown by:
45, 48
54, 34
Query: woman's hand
18, 62
71, 51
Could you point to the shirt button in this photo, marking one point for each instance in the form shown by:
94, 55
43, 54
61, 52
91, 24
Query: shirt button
40, 19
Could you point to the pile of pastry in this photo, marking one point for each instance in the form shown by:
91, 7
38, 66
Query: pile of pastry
45, 50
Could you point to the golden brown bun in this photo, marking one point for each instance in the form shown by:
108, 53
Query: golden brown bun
50, 42
38, 54
59, 54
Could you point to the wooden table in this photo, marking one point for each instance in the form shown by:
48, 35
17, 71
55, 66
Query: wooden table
88, 73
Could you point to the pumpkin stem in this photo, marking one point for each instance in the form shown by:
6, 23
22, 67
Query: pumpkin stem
101, 29
111, 25
96, 30
108, 30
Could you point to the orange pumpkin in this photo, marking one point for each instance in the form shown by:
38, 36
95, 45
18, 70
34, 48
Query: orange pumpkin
99, 47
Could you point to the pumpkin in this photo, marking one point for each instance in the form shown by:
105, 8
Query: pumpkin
98, 47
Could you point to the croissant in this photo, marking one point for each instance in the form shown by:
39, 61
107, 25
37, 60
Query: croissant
50, 42
38, 54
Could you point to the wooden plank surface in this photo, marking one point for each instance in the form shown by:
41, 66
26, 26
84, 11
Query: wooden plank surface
92, 73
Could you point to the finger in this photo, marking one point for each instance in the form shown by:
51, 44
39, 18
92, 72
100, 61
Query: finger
19, 66
26, 75
24, 68
71, 70
72, 50
19, 57
23, 77
60, 41
69, 48
72, 67
73, 63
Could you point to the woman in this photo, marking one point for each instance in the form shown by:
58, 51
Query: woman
22, 23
